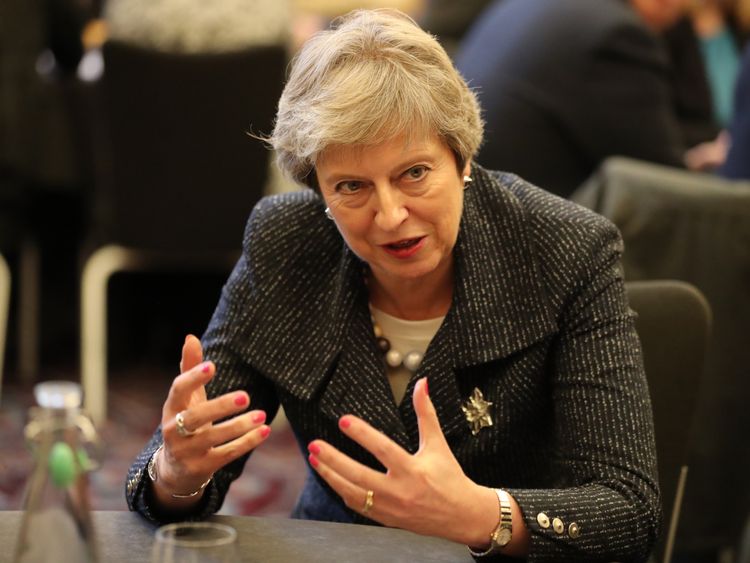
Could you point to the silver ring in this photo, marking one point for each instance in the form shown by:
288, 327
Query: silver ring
179, 421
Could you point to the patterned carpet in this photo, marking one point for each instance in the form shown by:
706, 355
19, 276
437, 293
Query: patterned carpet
269, 485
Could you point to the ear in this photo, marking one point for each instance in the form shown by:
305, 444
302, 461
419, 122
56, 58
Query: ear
467, 168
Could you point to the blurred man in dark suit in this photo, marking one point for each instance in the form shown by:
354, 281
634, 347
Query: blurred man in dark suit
566, 83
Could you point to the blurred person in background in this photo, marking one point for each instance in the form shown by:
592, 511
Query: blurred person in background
452, 346
566, 83
737, 164
721, 35
450, 20
720, 29
195, 26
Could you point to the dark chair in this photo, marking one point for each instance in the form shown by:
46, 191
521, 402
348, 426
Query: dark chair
673, 323
178, 173
696, 228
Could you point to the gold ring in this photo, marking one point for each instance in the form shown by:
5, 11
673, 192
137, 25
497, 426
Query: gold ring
179, 421
368, 501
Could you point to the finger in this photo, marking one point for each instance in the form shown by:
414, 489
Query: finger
238, 447
385, 450
349, 469
354, 496
184, 385
192, 353
233, 428
215, 409
427, 420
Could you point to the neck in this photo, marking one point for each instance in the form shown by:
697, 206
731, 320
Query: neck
413, 300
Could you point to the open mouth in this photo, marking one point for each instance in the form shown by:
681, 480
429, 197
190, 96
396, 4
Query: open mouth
404, 248
404, 244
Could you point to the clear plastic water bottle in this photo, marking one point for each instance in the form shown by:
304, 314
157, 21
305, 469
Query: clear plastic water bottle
56, 524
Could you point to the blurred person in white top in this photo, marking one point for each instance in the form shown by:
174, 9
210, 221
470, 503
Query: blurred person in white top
197, 26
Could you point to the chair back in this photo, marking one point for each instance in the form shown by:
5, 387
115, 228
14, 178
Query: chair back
673, 324
179, 168
696, 228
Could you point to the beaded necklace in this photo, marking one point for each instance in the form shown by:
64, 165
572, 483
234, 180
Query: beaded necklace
393, 357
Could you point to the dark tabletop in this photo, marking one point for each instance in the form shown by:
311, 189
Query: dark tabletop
126, 537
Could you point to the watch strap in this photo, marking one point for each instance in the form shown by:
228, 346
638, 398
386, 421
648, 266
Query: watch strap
503, 532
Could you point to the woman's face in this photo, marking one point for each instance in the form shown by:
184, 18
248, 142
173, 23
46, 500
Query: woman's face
397, 205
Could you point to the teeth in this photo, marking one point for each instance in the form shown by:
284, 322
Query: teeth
403, 244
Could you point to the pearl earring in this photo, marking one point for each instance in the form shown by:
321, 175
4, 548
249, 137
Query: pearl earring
467, 180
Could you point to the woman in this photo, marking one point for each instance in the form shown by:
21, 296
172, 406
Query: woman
500, 310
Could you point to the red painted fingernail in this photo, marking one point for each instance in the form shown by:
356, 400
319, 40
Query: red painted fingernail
426, 387
345, 423
265, 431
206, 367
313, 449
241, 401
259, 417
313, 461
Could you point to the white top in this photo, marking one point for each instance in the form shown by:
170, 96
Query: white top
404, 336
199, 26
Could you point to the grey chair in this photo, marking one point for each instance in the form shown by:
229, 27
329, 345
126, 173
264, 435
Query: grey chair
177, 173
4, 311
696, 228
673, 323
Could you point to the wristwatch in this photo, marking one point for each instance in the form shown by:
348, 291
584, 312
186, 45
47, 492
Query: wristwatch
503, 533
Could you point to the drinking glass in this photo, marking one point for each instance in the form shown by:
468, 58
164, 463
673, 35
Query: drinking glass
195, 542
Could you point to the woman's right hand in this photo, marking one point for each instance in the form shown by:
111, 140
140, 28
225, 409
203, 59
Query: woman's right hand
190, 458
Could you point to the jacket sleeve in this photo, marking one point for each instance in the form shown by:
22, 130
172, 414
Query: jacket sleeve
605, 505
223, 345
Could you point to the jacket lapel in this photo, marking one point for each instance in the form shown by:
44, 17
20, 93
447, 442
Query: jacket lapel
317, 340
359, 385
499, 304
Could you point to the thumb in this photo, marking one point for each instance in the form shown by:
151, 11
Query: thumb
192, 353
427, 420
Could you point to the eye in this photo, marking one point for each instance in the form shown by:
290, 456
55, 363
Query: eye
416, 172
349, 186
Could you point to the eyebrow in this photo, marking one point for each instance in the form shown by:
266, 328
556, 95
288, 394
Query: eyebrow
405, 163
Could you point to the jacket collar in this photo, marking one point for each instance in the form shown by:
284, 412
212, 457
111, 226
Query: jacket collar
499, 307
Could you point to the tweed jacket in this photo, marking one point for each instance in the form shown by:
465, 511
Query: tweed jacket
539, 323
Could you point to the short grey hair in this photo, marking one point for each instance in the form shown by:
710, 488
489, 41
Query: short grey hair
371, 77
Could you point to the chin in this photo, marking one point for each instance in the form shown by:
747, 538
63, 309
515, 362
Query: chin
412, 271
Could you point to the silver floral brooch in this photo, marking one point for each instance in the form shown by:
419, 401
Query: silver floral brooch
477, 413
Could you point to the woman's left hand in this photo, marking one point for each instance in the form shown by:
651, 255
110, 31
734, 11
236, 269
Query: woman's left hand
427, 493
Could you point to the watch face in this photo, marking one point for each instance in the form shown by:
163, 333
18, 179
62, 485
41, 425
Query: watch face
503, 537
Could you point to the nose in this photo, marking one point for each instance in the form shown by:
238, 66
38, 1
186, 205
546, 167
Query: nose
390, 210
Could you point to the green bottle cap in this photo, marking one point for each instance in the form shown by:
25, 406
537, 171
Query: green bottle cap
62, 465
